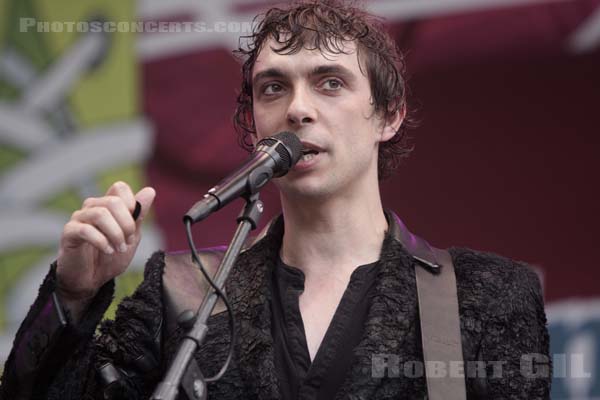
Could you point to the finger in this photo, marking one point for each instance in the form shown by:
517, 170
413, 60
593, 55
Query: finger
118, 209
76, 233
122, 190
145, 197
143, 203
104, 221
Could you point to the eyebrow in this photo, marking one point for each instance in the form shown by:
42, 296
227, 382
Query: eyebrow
268, 73
335, 69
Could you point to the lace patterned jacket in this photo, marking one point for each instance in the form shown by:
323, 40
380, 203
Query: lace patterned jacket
501, 316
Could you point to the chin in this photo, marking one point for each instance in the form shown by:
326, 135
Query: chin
305, 188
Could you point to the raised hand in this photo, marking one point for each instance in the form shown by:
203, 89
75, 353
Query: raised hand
99, 241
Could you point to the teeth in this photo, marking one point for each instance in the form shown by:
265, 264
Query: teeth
308, 157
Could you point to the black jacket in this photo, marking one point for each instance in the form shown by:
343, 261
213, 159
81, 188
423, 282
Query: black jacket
500, 304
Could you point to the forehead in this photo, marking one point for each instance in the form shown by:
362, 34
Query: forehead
305, 59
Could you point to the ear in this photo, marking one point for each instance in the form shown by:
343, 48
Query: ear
392, 124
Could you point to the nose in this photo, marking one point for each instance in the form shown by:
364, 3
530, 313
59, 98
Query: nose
301, 110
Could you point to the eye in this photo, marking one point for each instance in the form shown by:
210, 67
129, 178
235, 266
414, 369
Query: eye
332, 84
272, 88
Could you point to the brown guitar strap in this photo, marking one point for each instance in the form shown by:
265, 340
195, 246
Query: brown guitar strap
440, 328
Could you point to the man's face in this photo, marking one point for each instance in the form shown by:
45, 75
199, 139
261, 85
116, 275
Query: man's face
326, 100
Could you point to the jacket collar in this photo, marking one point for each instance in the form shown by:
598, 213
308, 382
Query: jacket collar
417, 247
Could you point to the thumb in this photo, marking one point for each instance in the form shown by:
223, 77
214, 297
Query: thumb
145, 197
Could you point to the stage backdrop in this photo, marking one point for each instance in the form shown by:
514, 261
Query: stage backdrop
507, 94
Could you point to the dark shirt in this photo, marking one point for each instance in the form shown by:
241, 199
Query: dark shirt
298, 377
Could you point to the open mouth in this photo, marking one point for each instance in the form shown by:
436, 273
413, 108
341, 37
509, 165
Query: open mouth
308, 154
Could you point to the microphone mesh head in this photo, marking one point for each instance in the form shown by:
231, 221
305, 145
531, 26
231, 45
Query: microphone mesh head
288, 147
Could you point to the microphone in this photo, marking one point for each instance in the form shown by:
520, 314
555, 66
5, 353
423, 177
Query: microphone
274, 156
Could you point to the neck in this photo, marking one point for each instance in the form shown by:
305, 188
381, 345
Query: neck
333, 235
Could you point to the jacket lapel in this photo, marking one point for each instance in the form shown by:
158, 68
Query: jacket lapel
391, 331
391, 342
249, 292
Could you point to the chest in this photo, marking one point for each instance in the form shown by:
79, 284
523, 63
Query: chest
317, 309
344, 327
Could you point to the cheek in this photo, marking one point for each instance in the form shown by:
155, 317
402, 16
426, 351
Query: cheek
262, 122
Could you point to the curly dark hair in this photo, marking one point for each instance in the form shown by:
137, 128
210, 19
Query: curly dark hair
326, 25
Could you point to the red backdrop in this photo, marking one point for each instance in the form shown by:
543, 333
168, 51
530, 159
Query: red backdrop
505, 152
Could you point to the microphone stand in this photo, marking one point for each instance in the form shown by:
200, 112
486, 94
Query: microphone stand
184, 370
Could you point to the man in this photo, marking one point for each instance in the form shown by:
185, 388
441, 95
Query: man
326, 290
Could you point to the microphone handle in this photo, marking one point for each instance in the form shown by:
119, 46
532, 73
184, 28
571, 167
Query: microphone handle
247, 180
